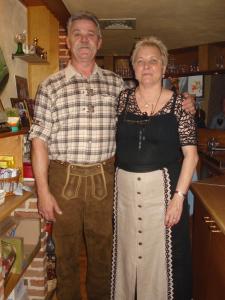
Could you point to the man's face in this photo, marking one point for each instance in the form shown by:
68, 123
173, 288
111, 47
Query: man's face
83, 40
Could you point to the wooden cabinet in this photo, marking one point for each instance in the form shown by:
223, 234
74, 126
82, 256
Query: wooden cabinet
12, 144
202, 59
7, 209
122, 66
216, 283
209, 242
34, 239
210, 163
201, 251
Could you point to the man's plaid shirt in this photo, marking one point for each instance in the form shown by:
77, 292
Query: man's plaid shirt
76, 116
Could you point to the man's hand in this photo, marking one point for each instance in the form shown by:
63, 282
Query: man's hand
47, 207
189, 103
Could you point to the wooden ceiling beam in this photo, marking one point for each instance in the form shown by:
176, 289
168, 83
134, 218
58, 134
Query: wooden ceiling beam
57, 8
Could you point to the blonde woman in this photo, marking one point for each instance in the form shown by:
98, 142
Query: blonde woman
156, 157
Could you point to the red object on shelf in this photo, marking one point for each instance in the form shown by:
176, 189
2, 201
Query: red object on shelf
27, 170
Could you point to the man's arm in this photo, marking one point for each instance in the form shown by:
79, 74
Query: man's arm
189, 103
47, 204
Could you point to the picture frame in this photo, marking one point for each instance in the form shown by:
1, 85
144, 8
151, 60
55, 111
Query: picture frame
1, 106
176, 84
29, 104
196, 85
23, 112
22, 87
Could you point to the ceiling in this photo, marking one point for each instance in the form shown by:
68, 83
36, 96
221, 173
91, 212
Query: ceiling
178, 23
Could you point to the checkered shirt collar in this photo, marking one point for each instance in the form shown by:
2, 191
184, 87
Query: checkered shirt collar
70, 72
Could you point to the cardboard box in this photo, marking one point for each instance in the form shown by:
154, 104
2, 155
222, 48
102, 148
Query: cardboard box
26, 238
19, 292
17, 245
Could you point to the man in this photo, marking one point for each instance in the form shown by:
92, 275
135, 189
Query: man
218, 121
73, 138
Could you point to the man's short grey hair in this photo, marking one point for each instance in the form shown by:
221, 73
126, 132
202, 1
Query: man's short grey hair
84, 15
151, 41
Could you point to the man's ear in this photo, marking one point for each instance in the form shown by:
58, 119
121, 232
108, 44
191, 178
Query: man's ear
99, 43
68, 43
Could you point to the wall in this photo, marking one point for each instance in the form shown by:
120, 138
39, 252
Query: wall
13, 20
43, 25
217, 92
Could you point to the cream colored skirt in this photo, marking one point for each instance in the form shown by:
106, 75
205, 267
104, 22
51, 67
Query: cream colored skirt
142, 244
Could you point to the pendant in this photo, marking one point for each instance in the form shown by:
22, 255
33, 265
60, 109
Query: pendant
90, 108
141, 138
146, 105
90, 92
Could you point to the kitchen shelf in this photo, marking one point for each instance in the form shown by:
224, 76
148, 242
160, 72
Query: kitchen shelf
206, 72
11, 203
10, 133
14, 278
31, 58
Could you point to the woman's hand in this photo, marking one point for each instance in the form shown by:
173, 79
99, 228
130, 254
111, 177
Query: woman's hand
174, 211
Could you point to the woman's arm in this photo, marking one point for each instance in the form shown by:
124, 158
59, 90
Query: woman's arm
175, 206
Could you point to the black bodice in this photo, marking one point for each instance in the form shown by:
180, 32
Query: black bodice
146, 143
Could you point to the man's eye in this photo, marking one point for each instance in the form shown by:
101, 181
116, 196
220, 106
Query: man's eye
91, 35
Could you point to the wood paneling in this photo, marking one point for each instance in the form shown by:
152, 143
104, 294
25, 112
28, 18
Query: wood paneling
43, 25
205, 134
57, 8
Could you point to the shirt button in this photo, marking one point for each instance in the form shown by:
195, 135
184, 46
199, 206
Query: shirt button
139, 206
139, 178
139, 193
140, 257
139, 231
139, 219
140, 244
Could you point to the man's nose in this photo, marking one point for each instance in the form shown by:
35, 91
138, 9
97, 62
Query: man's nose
84, 38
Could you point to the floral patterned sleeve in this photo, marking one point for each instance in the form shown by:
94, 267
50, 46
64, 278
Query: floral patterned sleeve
186, 124
122, 99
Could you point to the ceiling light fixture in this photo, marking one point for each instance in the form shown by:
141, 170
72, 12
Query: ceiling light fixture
124, 23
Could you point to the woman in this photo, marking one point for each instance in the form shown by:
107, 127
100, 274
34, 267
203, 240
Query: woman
151, 255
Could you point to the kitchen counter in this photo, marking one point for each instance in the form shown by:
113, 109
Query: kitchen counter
208, 239
215, 157
211, 192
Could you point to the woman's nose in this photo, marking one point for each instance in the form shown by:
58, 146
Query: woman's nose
146, 64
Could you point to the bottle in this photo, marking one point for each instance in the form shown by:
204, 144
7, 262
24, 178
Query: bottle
51, 258
50, 246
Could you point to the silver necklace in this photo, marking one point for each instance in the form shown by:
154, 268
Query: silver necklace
146, 105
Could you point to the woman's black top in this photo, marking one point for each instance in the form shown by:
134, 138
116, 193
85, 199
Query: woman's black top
146, 143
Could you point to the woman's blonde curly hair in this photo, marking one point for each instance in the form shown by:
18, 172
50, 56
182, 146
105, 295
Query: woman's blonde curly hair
150, 41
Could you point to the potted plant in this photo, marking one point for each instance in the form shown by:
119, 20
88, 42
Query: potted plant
13, 118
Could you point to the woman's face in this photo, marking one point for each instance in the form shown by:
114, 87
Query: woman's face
148, 65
